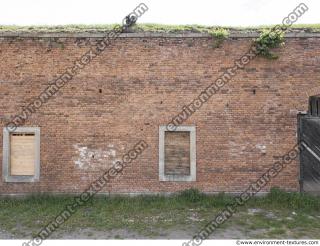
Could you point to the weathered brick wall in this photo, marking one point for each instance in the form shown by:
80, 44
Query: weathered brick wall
137, 84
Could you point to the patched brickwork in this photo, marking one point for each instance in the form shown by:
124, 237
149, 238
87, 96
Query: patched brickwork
177, 153
140, 83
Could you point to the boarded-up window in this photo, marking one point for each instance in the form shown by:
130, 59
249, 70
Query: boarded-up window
177, 153
22, 154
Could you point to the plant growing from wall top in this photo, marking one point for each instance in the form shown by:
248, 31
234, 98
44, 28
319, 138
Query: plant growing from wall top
219, 35
267, 40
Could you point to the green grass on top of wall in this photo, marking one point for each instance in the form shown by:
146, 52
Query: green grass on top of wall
147, 27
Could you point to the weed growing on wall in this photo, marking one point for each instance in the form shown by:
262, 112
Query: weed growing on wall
267, 40
218, 35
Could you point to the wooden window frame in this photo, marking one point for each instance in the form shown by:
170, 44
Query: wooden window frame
162, 175
6, 155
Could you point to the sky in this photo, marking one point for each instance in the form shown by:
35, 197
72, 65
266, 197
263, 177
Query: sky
204, 12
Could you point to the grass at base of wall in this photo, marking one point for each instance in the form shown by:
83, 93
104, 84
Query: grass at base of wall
279, 214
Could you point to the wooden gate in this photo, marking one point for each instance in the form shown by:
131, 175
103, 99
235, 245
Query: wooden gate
309, 138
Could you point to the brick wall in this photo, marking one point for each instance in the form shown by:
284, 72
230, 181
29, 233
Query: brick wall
139, 83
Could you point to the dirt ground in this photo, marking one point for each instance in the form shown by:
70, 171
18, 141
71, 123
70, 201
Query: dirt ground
234, 230
229, 233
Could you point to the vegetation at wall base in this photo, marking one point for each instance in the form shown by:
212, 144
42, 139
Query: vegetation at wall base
278, 214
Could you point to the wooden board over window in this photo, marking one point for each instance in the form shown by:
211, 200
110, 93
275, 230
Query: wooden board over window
22, 154
177, 153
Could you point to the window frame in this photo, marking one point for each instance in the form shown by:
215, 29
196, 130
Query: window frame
6, 155
193, 165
